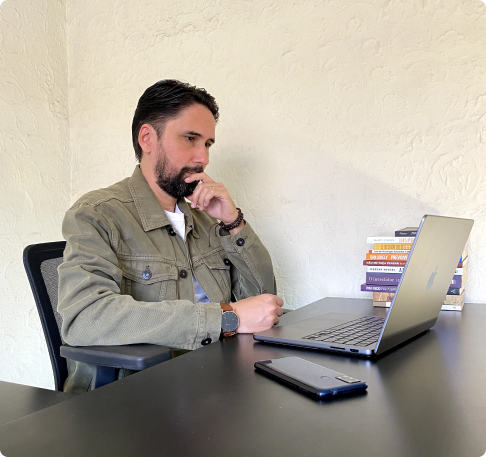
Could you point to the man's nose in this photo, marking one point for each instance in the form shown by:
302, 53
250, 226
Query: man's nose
202, 155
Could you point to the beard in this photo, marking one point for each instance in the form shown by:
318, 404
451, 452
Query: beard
172, 181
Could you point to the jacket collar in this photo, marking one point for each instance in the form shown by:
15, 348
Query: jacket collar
184, 207
149, 209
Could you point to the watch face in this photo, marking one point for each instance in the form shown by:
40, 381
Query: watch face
229, 321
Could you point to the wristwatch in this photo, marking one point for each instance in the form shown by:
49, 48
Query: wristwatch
229, 320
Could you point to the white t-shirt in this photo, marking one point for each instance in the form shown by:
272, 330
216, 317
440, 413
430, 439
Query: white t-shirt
177, 221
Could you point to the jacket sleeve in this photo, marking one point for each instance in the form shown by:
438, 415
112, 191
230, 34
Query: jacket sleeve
252, 270
94, 311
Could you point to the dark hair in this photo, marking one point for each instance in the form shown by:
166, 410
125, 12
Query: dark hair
164, 101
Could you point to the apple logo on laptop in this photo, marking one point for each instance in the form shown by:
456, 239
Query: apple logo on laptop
431, 279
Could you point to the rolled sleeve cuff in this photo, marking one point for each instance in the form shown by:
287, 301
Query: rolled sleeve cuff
240, 242
209, 323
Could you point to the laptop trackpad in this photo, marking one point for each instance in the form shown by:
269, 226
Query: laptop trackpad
312, 324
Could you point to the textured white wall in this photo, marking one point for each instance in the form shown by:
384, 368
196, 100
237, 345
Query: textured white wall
34, 170
339, 120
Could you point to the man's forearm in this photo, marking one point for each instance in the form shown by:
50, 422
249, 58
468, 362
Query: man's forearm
119, 319
252, 270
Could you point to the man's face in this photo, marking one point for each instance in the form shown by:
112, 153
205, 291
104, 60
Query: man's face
183, 148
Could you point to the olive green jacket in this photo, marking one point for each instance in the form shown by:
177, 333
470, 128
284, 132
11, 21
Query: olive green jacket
127, 277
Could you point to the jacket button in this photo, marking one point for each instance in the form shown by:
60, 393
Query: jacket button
240, 241
171, 231
227, 262
206, 341
146, 274
183, 274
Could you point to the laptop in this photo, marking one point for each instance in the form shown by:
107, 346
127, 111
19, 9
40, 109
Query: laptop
416, 304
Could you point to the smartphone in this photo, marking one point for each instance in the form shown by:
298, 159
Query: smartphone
310, 377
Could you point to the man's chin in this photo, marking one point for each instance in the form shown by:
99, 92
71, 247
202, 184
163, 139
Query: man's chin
180, 191
190, 188
175, 185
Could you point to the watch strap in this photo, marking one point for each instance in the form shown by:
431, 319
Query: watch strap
225, 307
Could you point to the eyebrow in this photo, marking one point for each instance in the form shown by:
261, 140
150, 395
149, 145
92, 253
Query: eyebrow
200, 136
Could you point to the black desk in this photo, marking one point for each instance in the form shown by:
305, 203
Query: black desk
427, 398
17, 401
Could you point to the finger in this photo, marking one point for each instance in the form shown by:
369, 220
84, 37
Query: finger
198, 177
208, 191
194, 197
276, 321
197, 197
205, 196
278, 300
279, 311
209, 195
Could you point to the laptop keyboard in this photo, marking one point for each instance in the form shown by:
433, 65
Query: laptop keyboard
360, 332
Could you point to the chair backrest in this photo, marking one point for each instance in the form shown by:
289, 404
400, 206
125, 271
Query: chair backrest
41, 262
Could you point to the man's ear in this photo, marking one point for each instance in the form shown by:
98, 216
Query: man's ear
147, 139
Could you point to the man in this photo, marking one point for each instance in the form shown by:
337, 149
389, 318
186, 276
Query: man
142, 265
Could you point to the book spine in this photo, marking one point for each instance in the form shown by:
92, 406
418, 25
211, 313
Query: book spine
390, 263
455, 291
402, 257
451, 308
378, 269
383, 296
390, 239
454, 299
389, 251
395, 263
405, 233
393, 289
372, 288
388, 279
400, 247
457, 281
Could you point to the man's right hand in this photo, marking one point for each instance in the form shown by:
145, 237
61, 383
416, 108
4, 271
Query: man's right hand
259, 313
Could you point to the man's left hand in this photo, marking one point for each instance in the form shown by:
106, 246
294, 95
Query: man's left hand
213, 198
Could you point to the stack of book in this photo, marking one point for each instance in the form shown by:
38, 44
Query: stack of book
384, 268
454, 300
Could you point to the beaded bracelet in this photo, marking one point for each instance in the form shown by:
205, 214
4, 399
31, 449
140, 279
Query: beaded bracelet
233, 224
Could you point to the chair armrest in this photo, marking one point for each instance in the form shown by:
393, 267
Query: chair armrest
133, 357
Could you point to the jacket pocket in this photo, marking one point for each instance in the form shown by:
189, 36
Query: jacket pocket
148, 280
220, 271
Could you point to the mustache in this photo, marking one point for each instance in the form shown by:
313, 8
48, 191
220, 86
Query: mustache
172, 182
196, 169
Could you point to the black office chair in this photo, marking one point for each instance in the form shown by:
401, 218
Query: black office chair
41, 262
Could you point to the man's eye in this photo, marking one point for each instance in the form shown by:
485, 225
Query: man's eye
208, 145
190, 138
